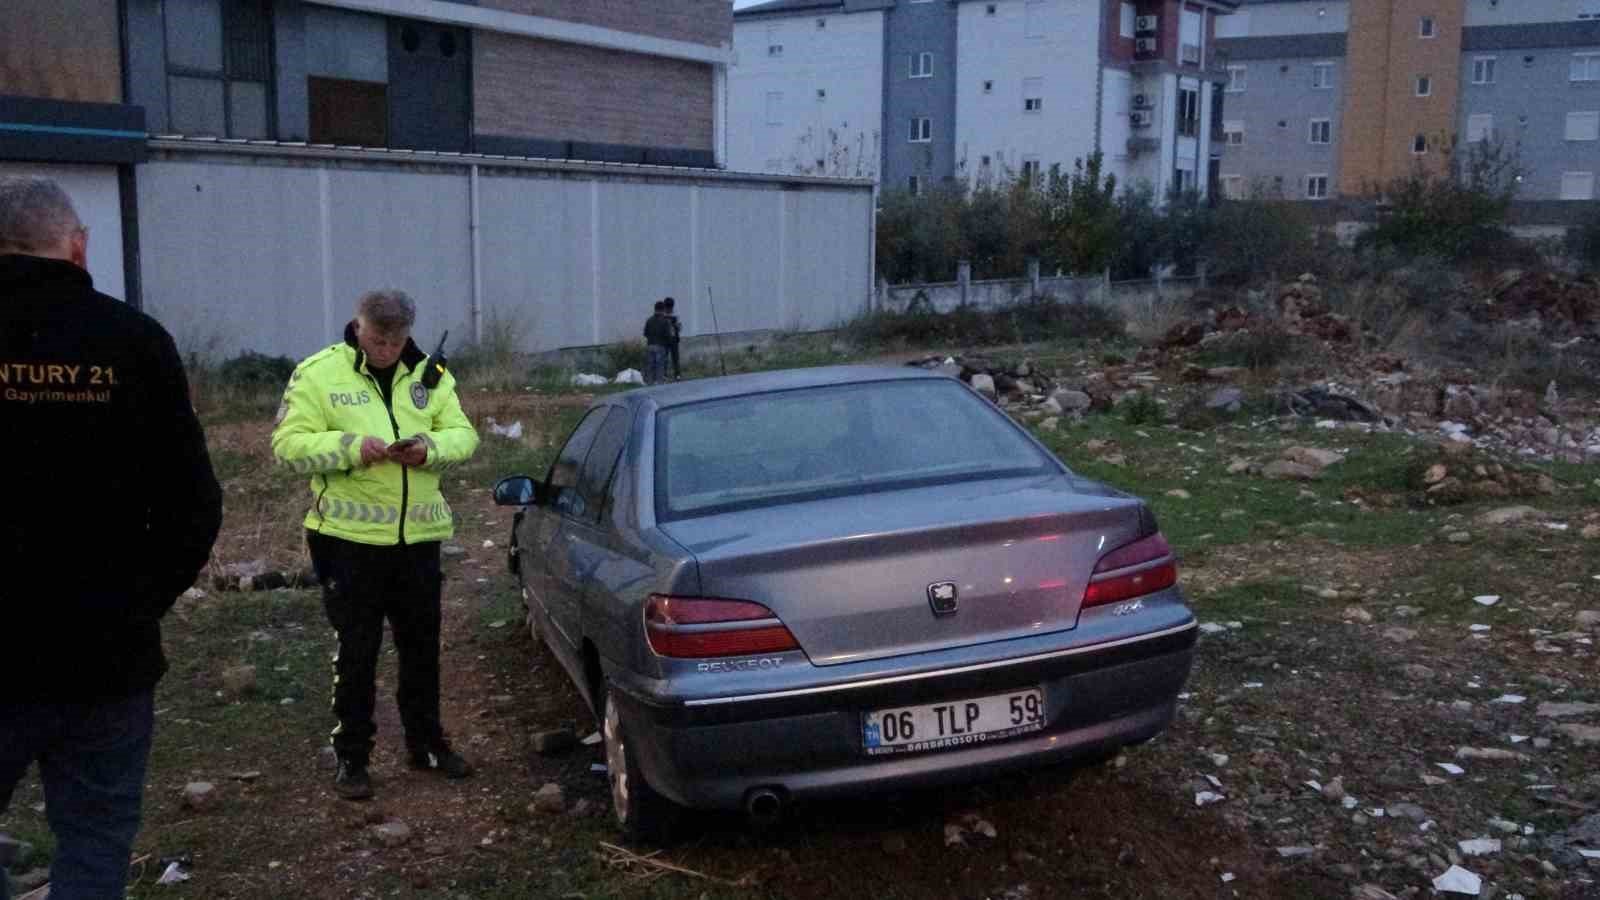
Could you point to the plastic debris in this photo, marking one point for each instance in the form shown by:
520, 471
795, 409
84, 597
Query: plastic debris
598, 768
1510, 698
1206, 798
1480, 846
512, 431
629, 376
1589, 854
1452, 768
1486, 599
1457, 880
591, 740
1518, 738
1211, 628
586, 380
1480, 628
1227, 877
173, 873
1350, 802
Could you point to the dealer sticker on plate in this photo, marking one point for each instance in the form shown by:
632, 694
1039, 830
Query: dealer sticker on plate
957, 723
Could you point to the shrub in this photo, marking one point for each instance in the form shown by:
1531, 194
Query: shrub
1035, 319
625, 355
1140, 409
1583, 241
1457, 212
1264, 347
249, 371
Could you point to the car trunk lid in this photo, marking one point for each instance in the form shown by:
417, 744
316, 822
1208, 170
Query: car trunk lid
858, 578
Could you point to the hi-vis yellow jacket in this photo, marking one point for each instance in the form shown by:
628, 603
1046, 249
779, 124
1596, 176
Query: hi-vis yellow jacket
332, 404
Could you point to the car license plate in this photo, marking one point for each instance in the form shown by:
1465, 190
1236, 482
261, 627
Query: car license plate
955, 723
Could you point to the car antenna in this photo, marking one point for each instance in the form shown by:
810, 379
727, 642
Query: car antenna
716, 331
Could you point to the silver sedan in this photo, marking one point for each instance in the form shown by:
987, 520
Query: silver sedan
823, 582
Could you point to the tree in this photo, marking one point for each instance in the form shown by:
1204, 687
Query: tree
1457, 213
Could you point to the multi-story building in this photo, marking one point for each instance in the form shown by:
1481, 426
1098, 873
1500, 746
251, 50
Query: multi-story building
979, 90
1339, 97
85, 83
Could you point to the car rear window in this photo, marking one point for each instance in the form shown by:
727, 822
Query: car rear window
793, 446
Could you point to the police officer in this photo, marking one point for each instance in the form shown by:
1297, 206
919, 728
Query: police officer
112, 511
375, 423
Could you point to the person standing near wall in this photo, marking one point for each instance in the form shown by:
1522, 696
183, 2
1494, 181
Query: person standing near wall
657, 338
669, 307
377, 520
114, 509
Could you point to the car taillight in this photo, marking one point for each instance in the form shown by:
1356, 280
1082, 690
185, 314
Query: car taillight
1111, 583
697, 627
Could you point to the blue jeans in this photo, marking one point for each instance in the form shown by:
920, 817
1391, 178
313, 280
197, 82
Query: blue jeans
92, 759
656, 364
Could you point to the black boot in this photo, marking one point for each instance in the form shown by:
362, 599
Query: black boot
352, 781
438, 757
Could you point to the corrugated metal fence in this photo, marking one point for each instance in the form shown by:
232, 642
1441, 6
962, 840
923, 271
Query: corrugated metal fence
263, 247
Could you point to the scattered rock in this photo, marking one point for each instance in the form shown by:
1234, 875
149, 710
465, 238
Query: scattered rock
1315, 457
1459, 537
1591, 532
1457, 880
984, 384
1114, 459
1506, 515
550, 743
1589, 618
1228, 399
198, 795
1179, 493
1564, 710
1491, 754
1435, 474
1406, 811
1295, 852
549, 799
1238, 466
1480, 846
392, 834
453, 550
1290, 471
1417, 672
1050, 424
1334, 790
1582, 735
1399, 635
1357, 614
237, 681
1072, 401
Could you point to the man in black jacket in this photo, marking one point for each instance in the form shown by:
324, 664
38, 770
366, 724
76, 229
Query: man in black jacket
113, 508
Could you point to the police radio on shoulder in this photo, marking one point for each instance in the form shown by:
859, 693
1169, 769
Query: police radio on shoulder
433, 367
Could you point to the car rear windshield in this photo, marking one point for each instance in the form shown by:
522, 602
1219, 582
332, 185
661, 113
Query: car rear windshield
812, 443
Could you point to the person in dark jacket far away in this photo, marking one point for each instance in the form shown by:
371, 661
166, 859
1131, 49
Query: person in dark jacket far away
658, 338
669, 307
113, 511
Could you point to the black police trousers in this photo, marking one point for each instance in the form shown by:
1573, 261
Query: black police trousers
361, 586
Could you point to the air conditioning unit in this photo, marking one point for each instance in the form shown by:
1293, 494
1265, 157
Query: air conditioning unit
1141, 101
1145, 46
1142, 118
1146, 24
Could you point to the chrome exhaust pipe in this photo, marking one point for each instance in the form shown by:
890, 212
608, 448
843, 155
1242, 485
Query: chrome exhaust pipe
764, 807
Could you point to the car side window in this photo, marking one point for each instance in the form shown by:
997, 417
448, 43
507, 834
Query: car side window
602, 461
564, 471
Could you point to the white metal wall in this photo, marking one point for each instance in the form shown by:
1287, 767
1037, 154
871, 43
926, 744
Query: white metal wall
269, 254
97, 200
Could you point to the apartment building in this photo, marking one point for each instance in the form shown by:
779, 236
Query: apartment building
1338, 97
979, 91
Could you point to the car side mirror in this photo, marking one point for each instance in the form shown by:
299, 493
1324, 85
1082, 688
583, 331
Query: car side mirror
518, 490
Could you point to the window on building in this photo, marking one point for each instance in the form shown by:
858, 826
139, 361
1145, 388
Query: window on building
1589, 10
1032, 94
1585, 67
1419, 144
822, 23
922, 65
350, 113
774, 41
1183, 180
914, 185
1424, 86
775, 107
1033, 25
1316, 187
1483, 70
1188, 112
1321, 131
1480, 127
990, 9
921, 129
1322, 76
988, 87
219, 67
1577, 185
1237, 76
1583, 126
1277, 185
822, 93
1128, 13
1425, 27
1232, 187
1030, 170
1190, 26
1233, 132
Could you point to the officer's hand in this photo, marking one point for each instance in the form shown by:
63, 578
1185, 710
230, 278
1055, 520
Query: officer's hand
373, 451
413, 454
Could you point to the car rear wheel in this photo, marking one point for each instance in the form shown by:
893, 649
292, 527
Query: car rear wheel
641, 813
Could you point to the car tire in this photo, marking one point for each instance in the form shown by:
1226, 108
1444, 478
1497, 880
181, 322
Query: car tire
641, 814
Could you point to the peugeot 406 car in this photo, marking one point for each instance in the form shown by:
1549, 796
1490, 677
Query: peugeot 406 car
829, 581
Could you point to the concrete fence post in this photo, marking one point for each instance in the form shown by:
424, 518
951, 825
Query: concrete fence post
1033, 276
964, 277
883, 294
1105, 285
1200, 269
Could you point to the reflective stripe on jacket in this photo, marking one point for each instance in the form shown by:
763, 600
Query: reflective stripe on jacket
332, 404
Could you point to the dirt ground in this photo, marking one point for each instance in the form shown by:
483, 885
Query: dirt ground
1301, 678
